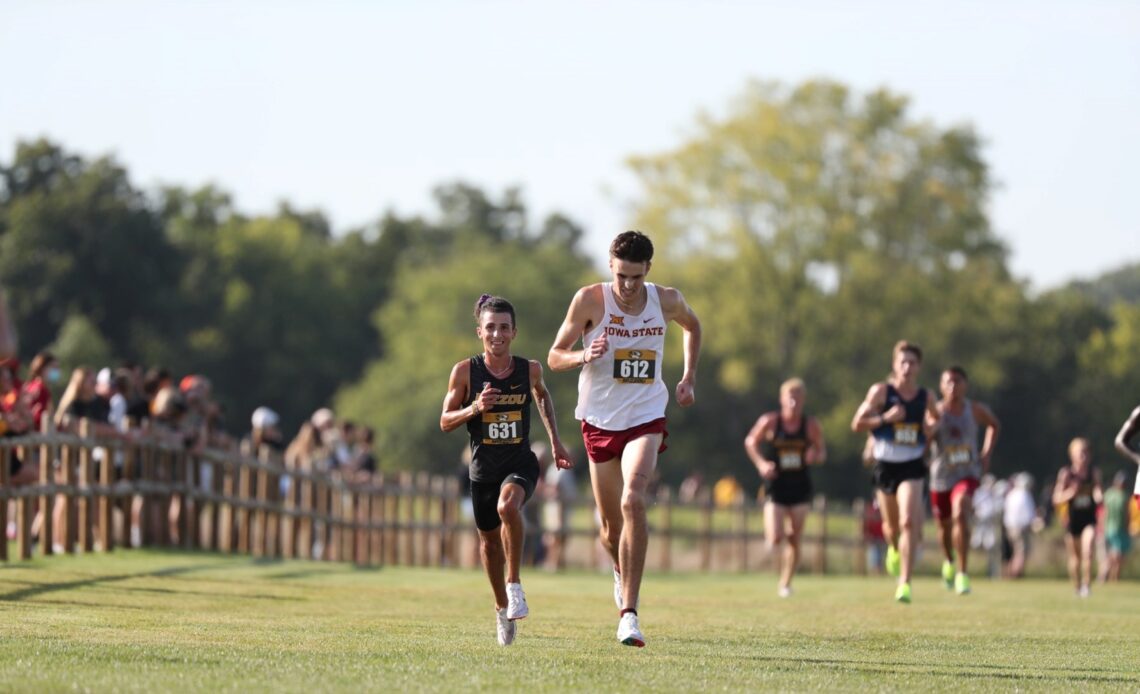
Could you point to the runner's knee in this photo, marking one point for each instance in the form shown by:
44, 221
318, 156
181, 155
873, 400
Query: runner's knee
908, 520
610, 533
508, 511
633, 503
490, 542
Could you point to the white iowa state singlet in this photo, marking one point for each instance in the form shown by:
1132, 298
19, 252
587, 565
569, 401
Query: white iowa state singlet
623, 388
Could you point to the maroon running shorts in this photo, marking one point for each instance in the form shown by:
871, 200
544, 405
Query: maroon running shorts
942, 503
603, 445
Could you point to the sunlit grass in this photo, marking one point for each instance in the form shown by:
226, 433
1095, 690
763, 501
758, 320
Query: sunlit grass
154, 621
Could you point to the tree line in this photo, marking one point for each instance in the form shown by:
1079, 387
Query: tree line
809, 226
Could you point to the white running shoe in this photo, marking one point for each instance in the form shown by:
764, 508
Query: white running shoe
629, 633
504, 627
516, 602
784, 591
1083, 592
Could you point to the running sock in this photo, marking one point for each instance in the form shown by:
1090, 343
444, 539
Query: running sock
628, 609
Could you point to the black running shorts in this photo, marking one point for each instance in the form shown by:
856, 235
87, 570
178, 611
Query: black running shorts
888, 476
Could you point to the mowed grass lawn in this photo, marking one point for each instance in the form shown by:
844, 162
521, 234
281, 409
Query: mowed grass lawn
169, 621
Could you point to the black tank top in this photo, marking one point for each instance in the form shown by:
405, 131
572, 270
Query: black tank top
791, 483
1083, 503
787, 449
909, 431
501, 435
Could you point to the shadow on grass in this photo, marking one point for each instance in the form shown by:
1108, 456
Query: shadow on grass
1003, 672
43, 589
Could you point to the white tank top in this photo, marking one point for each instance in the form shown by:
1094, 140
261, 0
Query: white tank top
623, 388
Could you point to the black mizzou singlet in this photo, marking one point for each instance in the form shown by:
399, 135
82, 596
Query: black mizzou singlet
787, 448
500, 437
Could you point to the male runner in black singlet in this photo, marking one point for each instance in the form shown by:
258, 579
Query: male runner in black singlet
491, 394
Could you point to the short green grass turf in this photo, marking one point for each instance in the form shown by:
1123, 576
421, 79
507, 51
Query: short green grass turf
170, 621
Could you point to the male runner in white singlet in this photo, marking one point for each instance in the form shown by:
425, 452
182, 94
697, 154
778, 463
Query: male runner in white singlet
1125, 440
622, 399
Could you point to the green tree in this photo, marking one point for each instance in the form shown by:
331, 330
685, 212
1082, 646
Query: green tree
1109, 384
811, 228
81, 344
77, 238
1122, 284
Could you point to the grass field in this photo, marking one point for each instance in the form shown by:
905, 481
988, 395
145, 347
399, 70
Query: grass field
160, 621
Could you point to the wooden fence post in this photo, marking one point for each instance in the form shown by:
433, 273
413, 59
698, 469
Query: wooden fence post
186, 483
257, 479
439, 496
226, 512
47, 480
245, 496
211, 486
273, 500
821, 549
859, 565
378, 520
336, 518
86, 513
167, 473
392, 521
289, 524
742, 519
5, 458
408, 490
347, 519
705, 501
323, 528
106, 518
305, 529
67, 517
423, 492
146, 500
455, 496
25, 517
126, 503
363, 544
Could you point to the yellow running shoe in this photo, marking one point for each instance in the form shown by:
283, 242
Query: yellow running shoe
893, 561
902, 594
962, 584
947, 574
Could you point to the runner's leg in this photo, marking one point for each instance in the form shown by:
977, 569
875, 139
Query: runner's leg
638, 462
910, 525
961, 502
796, 517
512, 530
494, 558
606, 480
889, 509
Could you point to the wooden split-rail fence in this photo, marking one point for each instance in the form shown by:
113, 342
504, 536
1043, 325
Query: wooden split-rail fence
96, 493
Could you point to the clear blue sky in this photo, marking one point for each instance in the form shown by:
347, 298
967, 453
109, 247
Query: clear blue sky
358, 107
